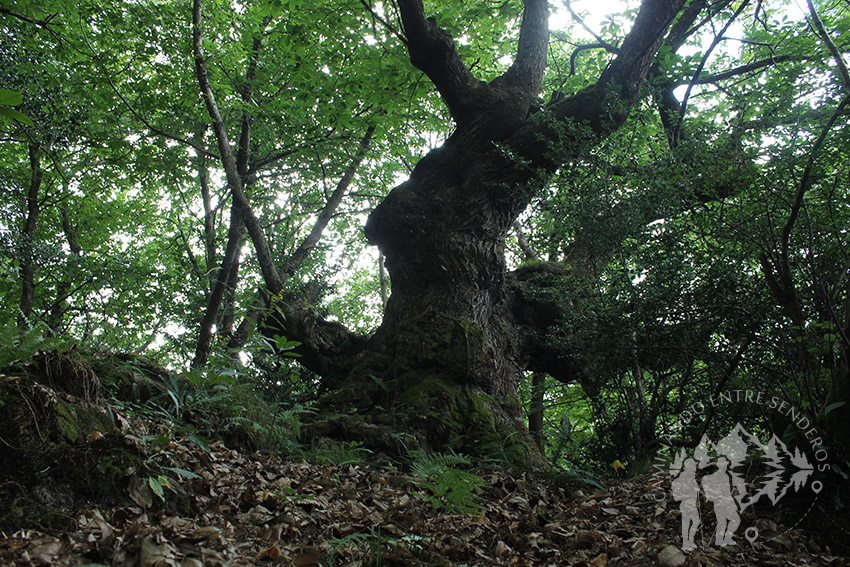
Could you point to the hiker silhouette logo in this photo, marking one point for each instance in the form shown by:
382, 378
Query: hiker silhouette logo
714, 474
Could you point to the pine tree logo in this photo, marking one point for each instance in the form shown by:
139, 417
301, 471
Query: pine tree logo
714, 470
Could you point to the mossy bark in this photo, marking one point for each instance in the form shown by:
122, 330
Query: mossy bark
428, 385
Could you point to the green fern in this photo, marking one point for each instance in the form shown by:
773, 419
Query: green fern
576, 477
18, 346
448, 487
372, 540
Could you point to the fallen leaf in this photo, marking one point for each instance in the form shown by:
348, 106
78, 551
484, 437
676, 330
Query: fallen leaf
46, 553
272, 553
671, 556
307, 558
140, 492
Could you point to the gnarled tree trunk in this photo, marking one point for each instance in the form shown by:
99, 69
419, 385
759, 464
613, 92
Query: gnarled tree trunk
457, 330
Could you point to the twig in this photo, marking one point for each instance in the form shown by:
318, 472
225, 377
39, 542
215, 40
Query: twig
45, 23
378, 17
577, 18
717, 39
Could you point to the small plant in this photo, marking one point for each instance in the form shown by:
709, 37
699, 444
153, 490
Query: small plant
281, 346
374, 541
18, 346
576, 477
151, 472
338, 452
448, 487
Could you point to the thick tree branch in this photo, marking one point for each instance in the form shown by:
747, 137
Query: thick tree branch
527, 69
537, 307
637, 53
524, 245
432, 50
604, 106
574, 55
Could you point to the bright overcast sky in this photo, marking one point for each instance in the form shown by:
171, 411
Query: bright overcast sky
596, 11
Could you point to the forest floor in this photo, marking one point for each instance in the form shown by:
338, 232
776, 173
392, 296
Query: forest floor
199, 504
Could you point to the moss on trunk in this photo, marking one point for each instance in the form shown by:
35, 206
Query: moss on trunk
424, 386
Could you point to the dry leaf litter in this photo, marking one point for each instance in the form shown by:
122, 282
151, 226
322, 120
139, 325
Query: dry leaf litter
263, 509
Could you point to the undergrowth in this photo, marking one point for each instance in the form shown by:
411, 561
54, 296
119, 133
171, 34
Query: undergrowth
446, 486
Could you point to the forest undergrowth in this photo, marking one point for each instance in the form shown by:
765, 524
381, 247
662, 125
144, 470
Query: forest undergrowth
111, 460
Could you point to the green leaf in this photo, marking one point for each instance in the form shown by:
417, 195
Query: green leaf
156, 486
16, 115
10, 98
182, 472
202, 443
832, 407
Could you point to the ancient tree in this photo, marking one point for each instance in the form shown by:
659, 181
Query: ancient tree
459, 329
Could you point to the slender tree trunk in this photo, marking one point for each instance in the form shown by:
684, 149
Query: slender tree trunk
225, 322
28, 237
249, 322
209, 210
231, 252
382, 280
302, 252
535, 415
237, 177
63, 289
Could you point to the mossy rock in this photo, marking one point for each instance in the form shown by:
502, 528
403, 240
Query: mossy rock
59, 451
66, 371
